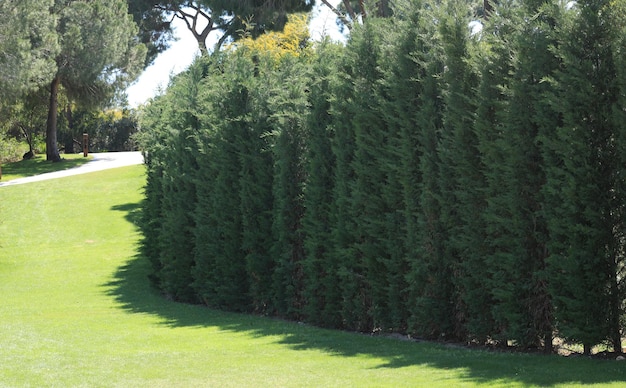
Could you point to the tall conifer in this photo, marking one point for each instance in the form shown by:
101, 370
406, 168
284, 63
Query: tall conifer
288, 115
351, 273
255, 188
530, 322
220, 277
461, 179
586, 258
415, 110
320, 265
179, 192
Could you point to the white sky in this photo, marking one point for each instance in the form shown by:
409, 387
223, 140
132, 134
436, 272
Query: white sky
183, 51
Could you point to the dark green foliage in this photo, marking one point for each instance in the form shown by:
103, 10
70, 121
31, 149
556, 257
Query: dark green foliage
176, 242
152, 143
502, 251
517, 224
321, 289
461, 180
255, 194
353, 300
220, 271
416, 108
586, 252
361, 141
367, 208
419, 179
289, 113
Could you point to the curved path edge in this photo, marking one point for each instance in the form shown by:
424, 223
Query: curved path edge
101, 161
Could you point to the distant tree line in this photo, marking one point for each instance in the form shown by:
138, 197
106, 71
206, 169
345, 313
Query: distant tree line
63, 60
423, 178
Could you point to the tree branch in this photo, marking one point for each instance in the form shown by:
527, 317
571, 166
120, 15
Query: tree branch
340, 15
191, 20
349, 9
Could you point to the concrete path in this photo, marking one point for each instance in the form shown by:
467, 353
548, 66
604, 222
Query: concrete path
102, 161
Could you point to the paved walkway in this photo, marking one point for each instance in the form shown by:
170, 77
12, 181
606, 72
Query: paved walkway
102, 161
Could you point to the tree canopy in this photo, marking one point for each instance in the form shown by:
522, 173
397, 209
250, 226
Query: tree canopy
28, 46
98, 53
233, 19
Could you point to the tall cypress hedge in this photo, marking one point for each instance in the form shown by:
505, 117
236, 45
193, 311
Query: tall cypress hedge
321, 285
220, 272
422, 178
586, 251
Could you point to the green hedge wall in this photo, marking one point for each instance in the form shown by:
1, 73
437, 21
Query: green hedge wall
420, 179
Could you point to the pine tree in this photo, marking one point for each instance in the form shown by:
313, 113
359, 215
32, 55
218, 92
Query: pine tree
88, 67
255, 189
512, 115
29, 45
417, 99
493, 104
320, 267
373, 269
288, 107
220, 277
354, 300
178, 187
586, 253
152, 143
461, 179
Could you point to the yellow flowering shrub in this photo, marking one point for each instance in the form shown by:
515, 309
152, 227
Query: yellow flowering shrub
293, 40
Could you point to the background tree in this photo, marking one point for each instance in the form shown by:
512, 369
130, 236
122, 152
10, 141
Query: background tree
233, 19
24, 118
87, 68
351, 12
154, 25
28, 46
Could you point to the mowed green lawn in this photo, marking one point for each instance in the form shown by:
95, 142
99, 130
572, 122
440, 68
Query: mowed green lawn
76, 309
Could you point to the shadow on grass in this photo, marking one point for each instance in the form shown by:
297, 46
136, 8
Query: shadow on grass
39, 165
132, 210
131, 288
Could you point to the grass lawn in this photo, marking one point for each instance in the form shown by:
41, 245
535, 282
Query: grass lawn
39, 165
77, 310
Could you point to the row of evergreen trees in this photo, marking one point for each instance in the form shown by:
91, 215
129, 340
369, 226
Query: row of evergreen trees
423, 178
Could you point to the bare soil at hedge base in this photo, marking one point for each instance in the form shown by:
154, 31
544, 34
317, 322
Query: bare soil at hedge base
560, 347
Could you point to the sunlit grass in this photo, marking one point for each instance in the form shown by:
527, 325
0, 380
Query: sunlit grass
39, 165
77, 310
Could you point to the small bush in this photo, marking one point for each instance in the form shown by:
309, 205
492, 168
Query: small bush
11, 150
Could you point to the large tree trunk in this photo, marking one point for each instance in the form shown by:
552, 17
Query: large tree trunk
52, 149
